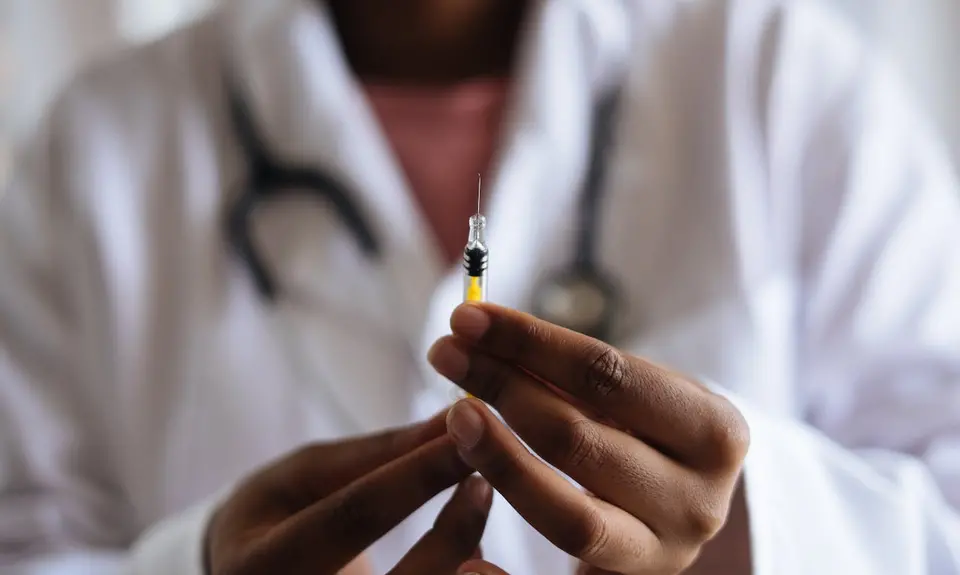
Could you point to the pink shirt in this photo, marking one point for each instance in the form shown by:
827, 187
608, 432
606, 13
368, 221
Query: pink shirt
443, 137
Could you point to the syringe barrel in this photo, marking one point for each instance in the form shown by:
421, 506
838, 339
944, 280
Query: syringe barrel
475, 288
475, 261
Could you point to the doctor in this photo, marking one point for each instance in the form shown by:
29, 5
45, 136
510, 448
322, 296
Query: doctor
194, 379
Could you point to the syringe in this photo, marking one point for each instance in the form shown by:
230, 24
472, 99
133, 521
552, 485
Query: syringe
475, 256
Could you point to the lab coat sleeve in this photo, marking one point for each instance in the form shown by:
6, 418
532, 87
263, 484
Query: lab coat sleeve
877, 248
62, 507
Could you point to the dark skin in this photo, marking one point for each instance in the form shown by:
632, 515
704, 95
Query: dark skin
429, 41
318, 509
659, 453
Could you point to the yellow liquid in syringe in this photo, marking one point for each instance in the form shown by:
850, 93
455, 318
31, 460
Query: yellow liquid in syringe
474, 290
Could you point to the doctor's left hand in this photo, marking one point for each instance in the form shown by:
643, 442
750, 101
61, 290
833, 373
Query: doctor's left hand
317, 510
659, 454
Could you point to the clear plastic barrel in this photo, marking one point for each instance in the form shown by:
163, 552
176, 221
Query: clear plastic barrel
475, 288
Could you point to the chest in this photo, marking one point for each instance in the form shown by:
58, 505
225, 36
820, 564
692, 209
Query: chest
212, 380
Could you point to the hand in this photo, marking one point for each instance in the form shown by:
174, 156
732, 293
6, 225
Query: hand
659, 454
317, 510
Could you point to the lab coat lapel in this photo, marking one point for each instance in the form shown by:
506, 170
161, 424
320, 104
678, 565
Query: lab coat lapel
352, 319
314, 112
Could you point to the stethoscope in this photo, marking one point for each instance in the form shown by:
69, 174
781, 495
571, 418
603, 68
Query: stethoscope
580, 296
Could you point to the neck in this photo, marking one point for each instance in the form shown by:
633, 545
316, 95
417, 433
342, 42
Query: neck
429, 41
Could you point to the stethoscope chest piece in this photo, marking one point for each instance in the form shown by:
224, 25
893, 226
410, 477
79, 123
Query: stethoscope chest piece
582, 300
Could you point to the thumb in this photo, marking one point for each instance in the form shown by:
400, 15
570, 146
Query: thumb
480, 567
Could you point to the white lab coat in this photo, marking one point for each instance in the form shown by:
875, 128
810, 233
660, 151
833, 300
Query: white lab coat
780, 219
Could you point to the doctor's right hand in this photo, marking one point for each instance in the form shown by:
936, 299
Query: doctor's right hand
319, 509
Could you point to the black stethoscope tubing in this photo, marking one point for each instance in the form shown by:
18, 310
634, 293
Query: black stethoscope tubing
269, 178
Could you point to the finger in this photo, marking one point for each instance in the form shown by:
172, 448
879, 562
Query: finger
578, 524
585, 569
478, 567
359, 566
611, 464
455, 535
682, 418
317, 470
330, 533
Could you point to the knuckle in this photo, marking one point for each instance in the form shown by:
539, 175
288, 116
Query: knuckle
727, 438
579, 445
704, 521
606, 372
532, 335
703, 517
587, 538
536, 331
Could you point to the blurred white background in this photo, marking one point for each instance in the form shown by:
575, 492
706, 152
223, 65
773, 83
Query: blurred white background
43, 41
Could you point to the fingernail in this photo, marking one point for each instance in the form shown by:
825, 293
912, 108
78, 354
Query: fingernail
478, 491
465, 425
470, 321
449, 360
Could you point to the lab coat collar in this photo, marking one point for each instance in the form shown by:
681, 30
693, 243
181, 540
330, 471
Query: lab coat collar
310, 108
